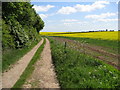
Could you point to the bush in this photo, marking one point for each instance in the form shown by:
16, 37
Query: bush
21, 25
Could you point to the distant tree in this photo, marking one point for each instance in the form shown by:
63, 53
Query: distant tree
106, 29
111, 30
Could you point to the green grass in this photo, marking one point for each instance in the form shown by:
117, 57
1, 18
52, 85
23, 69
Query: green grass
109, 45
77, 70
28, 71
10, 56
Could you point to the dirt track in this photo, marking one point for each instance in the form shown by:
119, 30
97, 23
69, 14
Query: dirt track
44, 75
10, 77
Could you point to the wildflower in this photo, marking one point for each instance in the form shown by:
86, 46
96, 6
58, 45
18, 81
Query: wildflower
99, 67
89, 72
100, 82
114, 77
110, 72
104, 66
93, 76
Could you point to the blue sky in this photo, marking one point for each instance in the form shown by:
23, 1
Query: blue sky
77, 16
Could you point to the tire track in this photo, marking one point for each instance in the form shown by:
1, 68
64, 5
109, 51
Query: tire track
44, 75
10, 78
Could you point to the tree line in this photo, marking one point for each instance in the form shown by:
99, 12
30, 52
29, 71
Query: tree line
20, 25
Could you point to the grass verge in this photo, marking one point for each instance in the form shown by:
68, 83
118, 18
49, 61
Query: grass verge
10, 56
77, 70
28, 71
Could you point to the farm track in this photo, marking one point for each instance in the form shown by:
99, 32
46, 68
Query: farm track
44, 75
109, 58
10, 77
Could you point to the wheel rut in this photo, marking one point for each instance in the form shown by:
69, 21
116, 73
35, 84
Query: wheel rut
10, 77
44, 75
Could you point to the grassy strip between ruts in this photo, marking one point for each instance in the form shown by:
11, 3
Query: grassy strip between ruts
28, 71
77, 70
10, 56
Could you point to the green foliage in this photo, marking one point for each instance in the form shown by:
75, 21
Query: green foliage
21, 24
7, 39
20, 27
76, 70
28, 71
19, 34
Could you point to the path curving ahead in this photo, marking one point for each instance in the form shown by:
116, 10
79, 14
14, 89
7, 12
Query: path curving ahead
10, 78
44, 75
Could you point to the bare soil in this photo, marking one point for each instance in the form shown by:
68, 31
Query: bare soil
44, 75
10, 77
95, 51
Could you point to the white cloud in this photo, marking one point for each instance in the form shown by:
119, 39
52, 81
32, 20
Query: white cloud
94, 6
107, 20
75, 23
69, 20
103, 15
67, 10
66, 23
43, 16
42, 8
83, 8
117, 2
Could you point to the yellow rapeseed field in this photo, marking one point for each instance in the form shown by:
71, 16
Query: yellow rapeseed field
109, 35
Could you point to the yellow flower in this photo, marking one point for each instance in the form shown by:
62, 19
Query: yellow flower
95, 35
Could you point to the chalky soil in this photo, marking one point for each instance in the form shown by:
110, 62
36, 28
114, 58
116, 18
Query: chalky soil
44, 75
